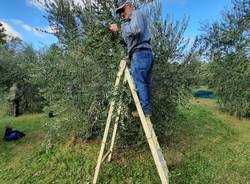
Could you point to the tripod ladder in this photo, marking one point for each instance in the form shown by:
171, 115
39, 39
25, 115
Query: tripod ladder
146, 124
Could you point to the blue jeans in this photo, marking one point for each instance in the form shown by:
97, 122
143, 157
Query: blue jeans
141, 69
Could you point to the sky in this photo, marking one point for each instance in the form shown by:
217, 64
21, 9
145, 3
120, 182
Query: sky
22, 18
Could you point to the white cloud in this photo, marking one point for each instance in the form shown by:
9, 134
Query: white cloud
11, 32
40, 4
17, 21
27, 27
36, 3
182, 2
35, 30
50, 30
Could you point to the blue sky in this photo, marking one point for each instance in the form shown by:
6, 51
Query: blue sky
198, 10
22, 17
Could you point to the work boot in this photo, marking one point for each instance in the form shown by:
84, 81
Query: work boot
148, 114
135, 114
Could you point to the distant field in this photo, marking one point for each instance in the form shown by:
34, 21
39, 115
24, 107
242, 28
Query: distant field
207, 147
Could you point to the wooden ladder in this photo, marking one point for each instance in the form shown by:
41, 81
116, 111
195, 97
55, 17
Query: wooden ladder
146, 123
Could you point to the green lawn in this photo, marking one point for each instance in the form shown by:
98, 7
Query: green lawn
206, 147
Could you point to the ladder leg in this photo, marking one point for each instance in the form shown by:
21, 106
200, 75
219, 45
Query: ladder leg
152, 132
157, 154
99, 161
114, 133
159, 150
116, 126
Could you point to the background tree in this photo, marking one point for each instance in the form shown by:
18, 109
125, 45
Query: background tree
226, 43
2, 34
76, 76
175, 68
16, 68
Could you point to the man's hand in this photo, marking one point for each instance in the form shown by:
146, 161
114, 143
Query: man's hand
113, 27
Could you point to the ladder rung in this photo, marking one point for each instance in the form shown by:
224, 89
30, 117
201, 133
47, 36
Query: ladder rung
105, 156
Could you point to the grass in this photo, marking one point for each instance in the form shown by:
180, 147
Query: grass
219, 152
207, 147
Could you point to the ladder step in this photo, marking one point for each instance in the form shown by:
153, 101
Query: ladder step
105, 156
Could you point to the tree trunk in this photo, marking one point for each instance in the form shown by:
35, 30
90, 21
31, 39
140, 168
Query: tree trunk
16, 108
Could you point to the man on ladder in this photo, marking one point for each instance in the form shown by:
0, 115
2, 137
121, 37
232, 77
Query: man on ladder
136, 34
